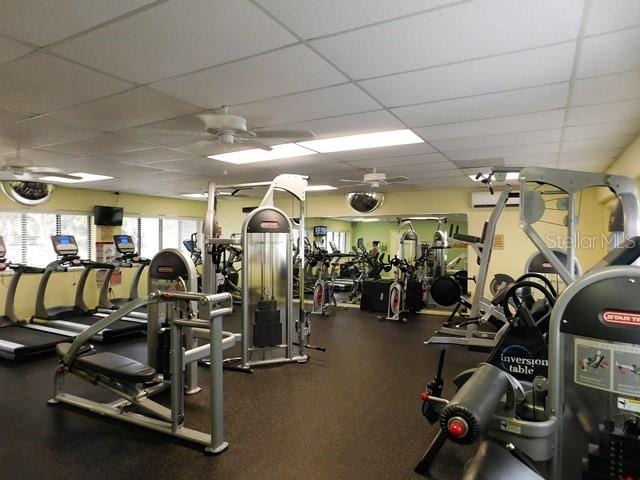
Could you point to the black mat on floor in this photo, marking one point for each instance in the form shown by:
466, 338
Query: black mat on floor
350, 413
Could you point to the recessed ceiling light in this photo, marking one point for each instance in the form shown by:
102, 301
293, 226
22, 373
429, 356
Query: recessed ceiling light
365, 140
84, 177
509, 176
320, 188
285, 150
204, 194
195, 195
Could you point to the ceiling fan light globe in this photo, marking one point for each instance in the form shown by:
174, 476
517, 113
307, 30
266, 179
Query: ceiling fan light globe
227, 138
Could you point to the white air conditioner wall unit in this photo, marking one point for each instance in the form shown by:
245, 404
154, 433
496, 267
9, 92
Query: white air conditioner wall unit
486, 199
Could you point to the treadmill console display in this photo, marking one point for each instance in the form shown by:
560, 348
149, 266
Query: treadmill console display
124, 243
64, 244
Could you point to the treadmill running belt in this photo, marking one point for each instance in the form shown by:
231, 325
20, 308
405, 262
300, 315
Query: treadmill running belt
34, 342
116, 329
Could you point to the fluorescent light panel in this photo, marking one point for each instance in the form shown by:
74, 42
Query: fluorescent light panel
366, 140
204, 194
84, 177
195, 195
366, 220
326, 145
285, 150
320, 188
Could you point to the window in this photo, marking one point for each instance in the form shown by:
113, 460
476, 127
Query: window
149, 237
153, 234
10, 229
37, 229
339, 239
82, 228
27, 236
131, 226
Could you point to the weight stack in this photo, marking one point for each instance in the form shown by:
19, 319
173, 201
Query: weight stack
267, 327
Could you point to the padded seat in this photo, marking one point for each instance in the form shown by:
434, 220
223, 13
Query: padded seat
111, 365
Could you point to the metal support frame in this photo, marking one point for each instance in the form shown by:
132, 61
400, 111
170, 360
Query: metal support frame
157, 417
294, 347
572, 183
481, 308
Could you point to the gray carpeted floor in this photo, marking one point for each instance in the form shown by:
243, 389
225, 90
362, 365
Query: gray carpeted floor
352, 412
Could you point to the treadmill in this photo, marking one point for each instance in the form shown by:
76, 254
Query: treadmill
128, 258
19, 340
78, 317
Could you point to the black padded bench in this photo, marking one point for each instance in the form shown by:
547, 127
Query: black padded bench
111, 365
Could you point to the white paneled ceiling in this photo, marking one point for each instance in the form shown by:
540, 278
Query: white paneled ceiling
115, 87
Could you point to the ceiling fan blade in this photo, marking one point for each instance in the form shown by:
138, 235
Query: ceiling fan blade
397, 179
176, 133
351, 185
55, 172
297, 134
254, 143
348, 180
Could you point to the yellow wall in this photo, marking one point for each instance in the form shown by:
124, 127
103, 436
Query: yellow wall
62, 285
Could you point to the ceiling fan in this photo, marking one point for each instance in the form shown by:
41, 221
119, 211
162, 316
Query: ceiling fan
375, 180
17, 168
231, 129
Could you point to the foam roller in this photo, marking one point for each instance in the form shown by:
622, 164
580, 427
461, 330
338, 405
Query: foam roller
466, 416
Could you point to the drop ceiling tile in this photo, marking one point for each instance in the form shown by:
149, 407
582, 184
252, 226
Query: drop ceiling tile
476, 77
424, 170
606, 112
353, 124
384, 152
332, 101
609, 88
42, 22
147, 156
485, 106
608, 15
503, 140
104, 167
596, 155
9, 49
604, 143
310, 18
100, 145
494, 126
46, 158
40, 83
429, 175
589, 166
547, 160
499, 152
177, 37
462, 32
586, 132
195, 166
40, 131
393, 162
308, 166
8, 117
610, 53
282, 72
169, 132
128, 109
